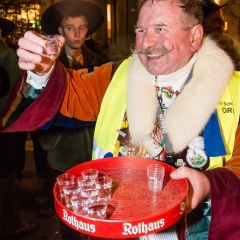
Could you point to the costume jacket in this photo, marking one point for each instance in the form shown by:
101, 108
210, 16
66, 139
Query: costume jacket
210, 88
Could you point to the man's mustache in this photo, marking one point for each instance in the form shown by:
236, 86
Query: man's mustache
160, 51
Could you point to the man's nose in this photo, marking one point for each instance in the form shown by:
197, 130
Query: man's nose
77, 32
149, 40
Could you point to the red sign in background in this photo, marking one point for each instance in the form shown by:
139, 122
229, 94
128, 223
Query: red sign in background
133, 210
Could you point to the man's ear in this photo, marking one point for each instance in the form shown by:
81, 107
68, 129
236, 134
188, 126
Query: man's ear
196, 37
60, 31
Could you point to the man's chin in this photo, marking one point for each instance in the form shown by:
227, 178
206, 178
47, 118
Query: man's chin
153, 72
153, 69
76, 47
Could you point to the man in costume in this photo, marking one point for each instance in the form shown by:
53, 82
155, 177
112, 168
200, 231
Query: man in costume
73, 21
175, 99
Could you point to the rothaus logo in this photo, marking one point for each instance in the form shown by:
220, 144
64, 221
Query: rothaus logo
142, 228
79, 225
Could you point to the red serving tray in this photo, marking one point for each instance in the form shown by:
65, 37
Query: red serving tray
133, 210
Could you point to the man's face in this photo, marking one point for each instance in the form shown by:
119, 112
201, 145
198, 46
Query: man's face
74, 30
159, 25
214, 23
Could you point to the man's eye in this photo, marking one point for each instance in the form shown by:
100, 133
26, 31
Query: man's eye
159, 29
82, 28
139, 30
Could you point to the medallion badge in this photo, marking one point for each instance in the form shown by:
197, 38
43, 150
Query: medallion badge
196, 156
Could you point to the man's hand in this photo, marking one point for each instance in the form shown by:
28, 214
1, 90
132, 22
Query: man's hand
31, 53
199, 186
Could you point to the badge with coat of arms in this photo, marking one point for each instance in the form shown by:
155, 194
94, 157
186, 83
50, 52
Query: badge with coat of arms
196, 156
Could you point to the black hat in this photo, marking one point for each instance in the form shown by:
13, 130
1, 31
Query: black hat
7, 26
52, 17
211, 7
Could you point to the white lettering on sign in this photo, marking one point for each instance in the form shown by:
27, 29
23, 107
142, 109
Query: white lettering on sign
78, 224
142, 228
